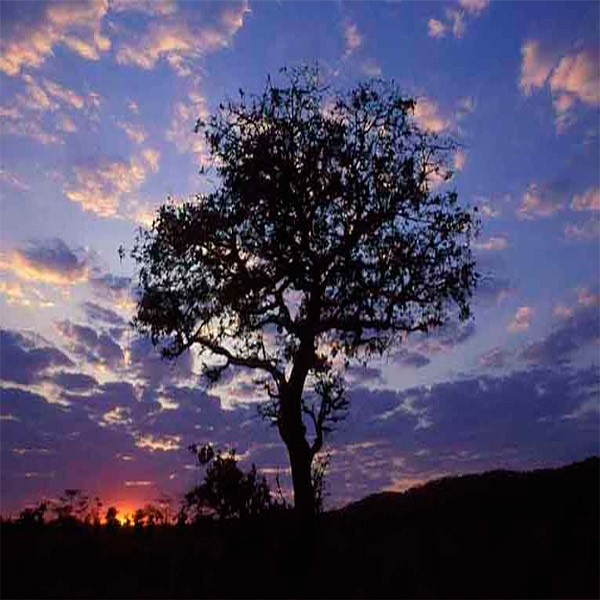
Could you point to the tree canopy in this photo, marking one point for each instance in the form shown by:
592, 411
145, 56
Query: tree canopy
328, 238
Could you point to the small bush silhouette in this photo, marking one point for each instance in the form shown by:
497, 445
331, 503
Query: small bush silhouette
227, 491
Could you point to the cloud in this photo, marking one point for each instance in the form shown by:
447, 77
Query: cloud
459, 159
13, 180
151, 8
93, 347
180, 39
474, 6
578, 76
436, 29
587, 298
428, 117
589, 200
14, 122
538, 202
561, 311
493, 288
135, 133
455, 19
535, 67
181, 129
73, 382
493, 243
370, 68
571, 335
521, 320
24, 361
74, 25
96, 312
589, 231
48, 261
99, 188
495, 358
353, 39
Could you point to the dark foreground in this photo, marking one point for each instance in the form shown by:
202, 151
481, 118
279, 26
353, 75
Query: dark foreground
496, 535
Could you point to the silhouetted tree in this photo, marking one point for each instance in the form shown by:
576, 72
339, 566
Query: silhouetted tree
33, 516
325, 241
227, 490
71, 506
112, 521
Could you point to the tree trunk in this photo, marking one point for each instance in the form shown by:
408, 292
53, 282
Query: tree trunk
301, 462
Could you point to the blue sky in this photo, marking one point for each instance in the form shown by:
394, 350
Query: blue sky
97, 106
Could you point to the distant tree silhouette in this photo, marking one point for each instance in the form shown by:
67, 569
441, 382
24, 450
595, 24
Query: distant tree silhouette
111, 518
326, 241
227, 490
33, 516
71, 506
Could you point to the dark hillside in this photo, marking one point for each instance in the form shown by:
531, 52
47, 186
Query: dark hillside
496, 535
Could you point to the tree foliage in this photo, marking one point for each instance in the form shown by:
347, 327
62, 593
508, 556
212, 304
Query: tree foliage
328, 239
227, 491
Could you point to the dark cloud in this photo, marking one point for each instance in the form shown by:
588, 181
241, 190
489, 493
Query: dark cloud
492, 289
358, 373
148, 363
411, 359
95, 312
23, 361
111, 287
74, 382
573, 334
51, 260
91, 346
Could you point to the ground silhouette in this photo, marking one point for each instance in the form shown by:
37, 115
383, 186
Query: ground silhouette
499, 534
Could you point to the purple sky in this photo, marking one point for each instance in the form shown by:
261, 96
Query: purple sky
97, 107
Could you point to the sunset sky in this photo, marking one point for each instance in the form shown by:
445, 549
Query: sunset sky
98, 103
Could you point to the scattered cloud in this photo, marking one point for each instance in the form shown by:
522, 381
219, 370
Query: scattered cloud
455, 19
99, 188
459, 159
474, 6
370, 67
436, 28
48, 261
135, 132
180, 40
521, 320
561, 311
427, 115
538, 202
495, 358
13, 180
588, 231
74, 25
165, 443
535, 67
573, 78
151, 8
589, 200
353, 39
24, 360
587, 298
493, 243
181, 129
572, 334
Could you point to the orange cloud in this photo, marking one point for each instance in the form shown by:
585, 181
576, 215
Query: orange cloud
428, 117
75, 25
180, 42
99, 189
135, 133
353, 39
589, 200
436, 29
521, 320
493, 243
538, 202
48, 262
535, 67
164, 443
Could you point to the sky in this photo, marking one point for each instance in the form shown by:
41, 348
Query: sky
98, 102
